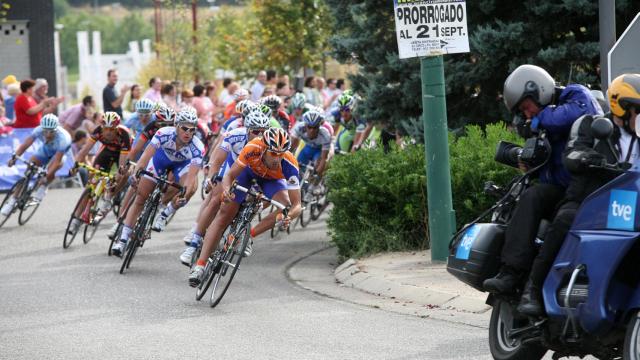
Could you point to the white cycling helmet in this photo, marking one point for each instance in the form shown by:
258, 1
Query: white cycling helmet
242, 105
187, 116
257, 120
240, 94
144, 106
49, 122
528, 81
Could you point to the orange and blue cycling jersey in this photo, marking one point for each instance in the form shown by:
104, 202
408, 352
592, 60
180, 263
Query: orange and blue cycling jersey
271, 181
251, 156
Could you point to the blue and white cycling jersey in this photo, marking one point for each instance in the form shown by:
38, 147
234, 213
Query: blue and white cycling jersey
60, 144
168, 158
233, 143
233, 119
322, 141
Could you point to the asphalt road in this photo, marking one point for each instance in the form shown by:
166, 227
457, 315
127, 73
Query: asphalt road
74, 304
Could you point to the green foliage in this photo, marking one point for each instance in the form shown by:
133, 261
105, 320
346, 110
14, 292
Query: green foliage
472, 164
503, 35
379, 201
115, 34
60, 8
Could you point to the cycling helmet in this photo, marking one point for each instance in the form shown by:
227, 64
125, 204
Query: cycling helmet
249, 108
272, 101
187, 116
242, 104
111, 119
298, 101
240, 94
165, 116
313, 118
528, 81
347, 101
623, 93
277, 140
144, 106
256, 120
265, 109
49, 122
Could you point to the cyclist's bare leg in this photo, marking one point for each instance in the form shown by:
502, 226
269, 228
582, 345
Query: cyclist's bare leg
269, 221
145, 187
223, 219
208, 212
128, 197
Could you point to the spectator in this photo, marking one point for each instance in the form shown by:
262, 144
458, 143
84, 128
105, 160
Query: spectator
258, 86
186, 97
283, 90
13, 90
8, 80
72, 118
153, 94
341, 86
217, 110
4, 121
313, 97
272, 78
330, 93
239, 95
40, 90
79, 139
225, 96
202, 104
169, 96
111, 101
28, 112
136, 94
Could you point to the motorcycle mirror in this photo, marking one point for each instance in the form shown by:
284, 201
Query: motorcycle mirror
601, 128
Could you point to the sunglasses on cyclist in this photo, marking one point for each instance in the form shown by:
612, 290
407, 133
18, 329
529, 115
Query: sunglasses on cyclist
49, 131
275, 153
345, 109
313, 127
188, 129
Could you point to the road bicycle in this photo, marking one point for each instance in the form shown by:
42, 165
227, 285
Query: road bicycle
22, 192
142, 228
91, 214
223, 264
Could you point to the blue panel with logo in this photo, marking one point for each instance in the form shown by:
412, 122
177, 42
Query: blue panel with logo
464, 247
622, 210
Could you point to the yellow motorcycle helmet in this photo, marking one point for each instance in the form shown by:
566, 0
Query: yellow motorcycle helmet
623, 93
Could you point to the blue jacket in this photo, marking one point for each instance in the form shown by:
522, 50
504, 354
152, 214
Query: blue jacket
574, 101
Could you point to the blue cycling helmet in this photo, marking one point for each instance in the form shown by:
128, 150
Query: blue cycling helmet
49, 122
313, 118
144, 106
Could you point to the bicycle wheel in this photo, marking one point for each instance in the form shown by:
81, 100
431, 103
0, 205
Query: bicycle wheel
228, 265
29, 205
116, 236
129, 253
11, 192
209, 269
303, 222
91, 227
68, 238
117, 200
140, 230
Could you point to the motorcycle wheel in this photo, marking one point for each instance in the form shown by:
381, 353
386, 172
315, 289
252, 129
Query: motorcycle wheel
632, 339
501, 345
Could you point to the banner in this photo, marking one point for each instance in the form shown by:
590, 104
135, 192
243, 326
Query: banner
8, 144
431, 27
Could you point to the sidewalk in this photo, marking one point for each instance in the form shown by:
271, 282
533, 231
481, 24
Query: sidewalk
411, 277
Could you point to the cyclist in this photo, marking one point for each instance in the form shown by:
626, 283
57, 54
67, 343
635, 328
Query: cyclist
268, 161
142, 117
317, 140
238, 95
275, 104
353, 128
55, 143
223, 158
172, 148
116, 143
162, 117
298, 107
236, 119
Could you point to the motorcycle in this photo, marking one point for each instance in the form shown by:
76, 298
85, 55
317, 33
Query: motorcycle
592, 292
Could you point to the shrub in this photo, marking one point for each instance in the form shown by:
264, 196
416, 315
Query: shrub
380, 199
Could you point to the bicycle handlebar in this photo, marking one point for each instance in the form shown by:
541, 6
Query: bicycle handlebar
31, 164
160, 179
259, 195
94, 170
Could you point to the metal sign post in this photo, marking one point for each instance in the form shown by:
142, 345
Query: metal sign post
428, 29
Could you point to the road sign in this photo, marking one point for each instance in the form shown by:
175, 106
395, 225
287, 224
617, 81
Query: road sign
624, 57
431, 27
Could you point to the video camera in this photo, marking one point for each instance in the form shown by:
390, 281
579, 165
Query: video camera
535, 152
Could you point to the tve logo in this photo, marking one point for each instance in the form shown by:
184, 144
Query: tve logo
622, 210
464, 247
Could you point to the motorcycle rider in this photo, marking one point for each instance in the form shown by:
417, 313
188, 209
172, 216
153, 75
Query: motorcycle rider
530, 93
584, 158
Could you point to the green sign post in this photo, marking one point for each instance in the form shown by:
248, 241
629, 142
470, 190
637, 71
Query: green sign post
434, 116
429, 29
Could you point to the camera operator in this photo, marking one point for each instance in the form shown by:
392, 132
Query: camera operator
530, 93
585, 158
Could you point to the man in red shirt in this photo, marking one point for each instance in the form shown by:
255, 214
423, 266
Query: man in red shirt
27, 111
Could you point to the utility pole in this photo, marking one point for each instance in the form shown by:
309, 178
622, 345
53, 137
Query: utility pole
194, 21
157, 22
607, 14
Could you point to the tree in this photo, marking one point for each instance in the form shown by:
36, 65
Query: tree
503, 35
